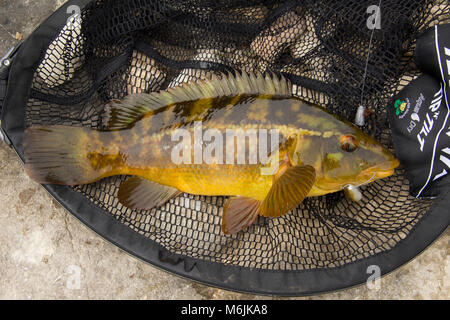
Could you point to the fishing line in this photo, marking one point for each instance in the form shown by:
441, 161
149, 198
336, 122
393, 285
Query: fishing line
361, 184
359, 118
353, 193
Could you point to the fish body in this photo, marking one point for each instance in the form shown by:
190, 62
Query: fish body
243, 136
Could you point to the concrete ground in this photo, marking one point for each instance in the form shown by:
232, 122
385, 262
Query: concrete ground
45, 253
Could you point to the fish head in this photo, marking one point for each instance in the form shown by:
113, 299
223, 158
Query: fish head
350, 157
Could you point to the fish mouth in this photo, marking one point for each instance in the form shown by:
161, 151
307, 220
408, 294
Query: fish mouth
381, 170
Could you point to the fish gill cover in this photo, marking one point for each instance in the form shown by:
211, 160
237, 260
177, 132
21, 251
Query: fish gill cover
114, 48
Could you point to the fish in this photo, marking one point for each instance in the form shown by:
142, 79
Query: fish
149, 137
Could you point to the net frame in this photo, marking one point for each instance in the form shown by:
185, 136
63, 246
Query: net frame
131, 237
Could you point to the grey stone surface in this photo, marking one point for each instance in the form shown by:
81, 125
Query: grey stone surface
43, 248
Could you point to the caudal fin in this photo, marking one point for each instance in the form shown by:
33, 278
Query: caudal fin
59, 155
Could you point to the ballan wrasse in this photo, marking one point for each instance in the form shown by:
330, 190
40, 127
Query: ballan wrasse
317, 153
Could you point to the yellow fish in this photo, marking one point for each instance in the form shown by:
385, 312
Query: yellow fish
242, 135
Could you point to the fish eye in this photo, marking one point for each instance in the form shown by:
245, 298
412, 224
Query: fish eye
349, 143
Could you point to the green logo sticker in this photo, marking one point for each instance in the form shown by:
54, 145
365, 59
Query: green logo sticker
399, 106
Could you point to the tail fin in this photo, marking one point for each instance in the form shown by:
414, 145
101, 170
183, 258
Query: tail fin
59, 155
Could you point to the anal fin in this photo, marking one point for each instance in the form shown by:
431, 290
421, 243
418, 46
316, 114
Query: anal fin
143, 194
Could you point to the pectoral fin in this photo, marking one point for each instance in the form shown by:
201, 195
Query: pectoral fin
140, 193
288, 191
239, 213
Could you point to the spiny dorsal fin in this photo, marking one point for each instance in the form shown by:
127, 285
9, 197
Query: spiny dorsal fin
122, 114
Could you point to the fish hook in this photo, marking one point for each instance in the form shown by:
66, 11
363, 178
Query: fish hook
353, 193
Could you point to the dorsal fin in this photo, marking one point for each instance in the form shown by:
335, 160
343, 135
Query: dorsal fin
122, 114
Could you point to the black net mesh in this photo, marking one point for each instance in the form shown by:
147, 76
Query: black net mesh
116, 48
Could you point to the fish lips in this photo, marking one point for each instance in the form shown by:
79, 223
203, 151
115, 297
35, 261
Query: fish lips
381, 170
